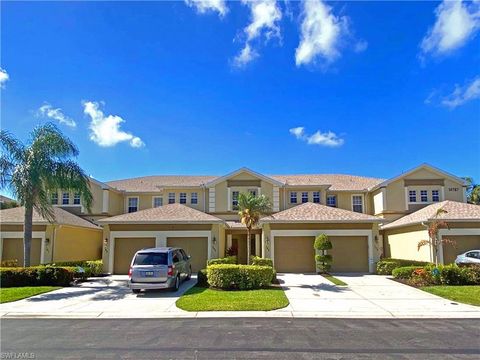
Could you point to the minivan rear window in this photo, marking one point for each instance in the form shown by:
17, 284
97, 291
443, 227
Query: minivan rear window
151, 259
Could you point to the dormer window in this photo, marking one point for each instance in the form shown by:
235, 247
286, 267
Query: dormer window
76, 199
412, 196
235, 200
293, 197
435, 196
132, 204
194, 198
304, 197
357, 203
316, 197
157, 201
423, 195
171, 198
183, 198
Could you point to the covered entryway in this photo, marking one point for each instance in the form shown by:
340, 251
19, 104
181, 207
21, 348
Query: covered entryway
125, 248
463, 243
196, 247
294, 254
350, 253
13, 250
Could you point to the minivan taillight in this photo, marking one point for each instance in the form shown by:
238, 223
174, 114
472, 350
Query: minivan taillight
170, 271
130, 272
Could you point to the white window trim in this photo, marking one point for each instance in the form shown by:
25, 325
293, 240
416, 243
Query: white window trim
191, 197
63, 193
335, 197
174, 198
180, 198
301, 196
132, 197
363, 202
290, 197
79, 199
156, 197
319, 197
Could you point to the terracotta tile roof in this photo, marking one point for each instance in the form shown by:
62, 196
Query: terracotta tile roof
62, 217
338, 182
456, 211
310, 212
171, 213
155, 183
4, 198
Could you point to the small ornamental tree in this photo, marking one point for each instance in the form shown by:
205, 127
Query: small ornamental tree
323, 260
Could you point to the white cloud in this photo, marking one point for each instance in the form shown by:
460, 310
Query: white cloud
265, 15
321, 33
105, 130
318, 138
3, 77
361, 46
456, 22
204, 6
46, 110
463, 94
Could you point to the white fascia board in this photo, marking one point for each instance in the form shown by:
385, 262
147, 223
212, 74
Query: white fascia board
239, 171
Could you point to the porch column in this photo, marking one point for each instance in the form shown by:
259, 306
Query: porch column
257, 244
229, 198
229, 241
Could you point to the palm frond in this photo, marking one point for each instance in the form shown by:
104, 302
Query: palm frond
49, 142
422, 243
12, 147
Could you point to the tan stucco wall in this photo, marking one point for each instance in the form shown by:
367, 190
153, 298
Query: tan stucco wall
17, 228
75, 243
116, 203
218, 249
146, 199
402, 243
12, 249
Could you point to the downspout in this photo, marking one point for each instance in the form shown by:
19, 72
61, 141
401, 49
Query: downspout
53, 242
204, 198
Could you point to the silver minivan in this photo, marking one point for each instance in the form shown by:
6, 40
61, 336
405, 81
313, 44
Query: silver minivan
159, 268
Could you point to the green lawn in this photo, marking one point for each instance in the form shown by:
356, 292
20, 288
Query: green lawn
463, 294
334, 280
19, 293
204, 299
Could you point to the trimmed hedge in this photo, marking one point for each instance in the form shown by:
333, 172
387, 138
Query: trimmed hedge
37, 276
386, 266
225, 260
257, 260
440, 275
202, 280
243, 277
90, 267
404, 272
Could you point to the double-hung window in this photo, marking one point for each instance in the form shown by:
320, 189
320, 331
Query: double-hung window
235, 200
293, 197
54, 198
157, 201
132, 204
183, 198
194, 198
316, 197
76, 199
304, 197
65, 198
331, 200
357, 203
171, 198
435, 196
423, 196
412, 196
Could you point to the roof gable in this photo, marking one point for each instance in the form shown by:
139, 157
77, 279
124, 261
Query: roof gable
240, 171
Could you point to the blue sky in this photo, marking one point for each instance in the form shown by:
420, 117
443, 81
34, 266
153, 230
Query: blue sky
378, 87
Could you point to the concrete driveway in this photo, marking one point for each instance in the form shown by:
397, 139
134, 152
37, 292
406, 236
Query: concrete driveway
366, 295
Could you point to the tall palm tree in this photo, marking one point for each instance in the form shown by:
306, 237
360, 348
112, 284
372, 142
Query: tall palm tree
251, 208
34, 170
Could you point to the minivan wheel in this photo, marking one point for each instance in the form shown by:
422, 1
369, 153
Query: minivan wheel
136, 291
189, 275
176, 285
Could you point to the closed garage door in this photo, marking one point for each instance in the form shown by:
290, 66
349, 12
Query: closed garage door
125, 248
196, 247
294, 254
13, 250
463, 244
350, 253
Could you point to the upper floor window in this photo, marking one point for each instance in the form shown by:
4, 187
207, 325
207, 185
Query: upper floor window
171, 198
304, 197
54, 198
316, 197
253, 192
423, 195
132, 204
357, 203
235, 200
331, 200
194, 198
65, 198
157, 201
435, 196
412, 196
183, 198
76, 199
293, 197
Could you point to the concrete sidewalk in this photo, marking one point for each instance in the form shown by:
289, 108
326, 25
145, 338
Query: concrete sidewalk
366, 296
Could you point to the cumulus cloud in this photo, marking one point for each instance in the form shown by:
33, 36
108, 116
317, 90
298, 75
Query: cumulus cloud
265, 16
205, 6
321, 34
328, 138
462, 94
105, 130
3, 77
48, 111
456, 22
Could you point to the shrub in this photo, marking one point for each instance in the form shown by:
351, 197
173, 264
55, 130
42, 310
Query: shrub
386, 266
225, 260
321, 245
232, 251
9, 263
243, 277
404, 272
257, 260
202, 280
37, 276
90, 267
443, 275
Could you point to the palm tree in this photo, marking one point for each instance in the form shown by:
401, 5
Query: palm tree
34, 170
473, 191
251, 208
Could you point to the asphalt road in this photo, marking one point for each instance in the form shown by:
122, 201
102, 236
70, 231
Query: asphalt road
240, 339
